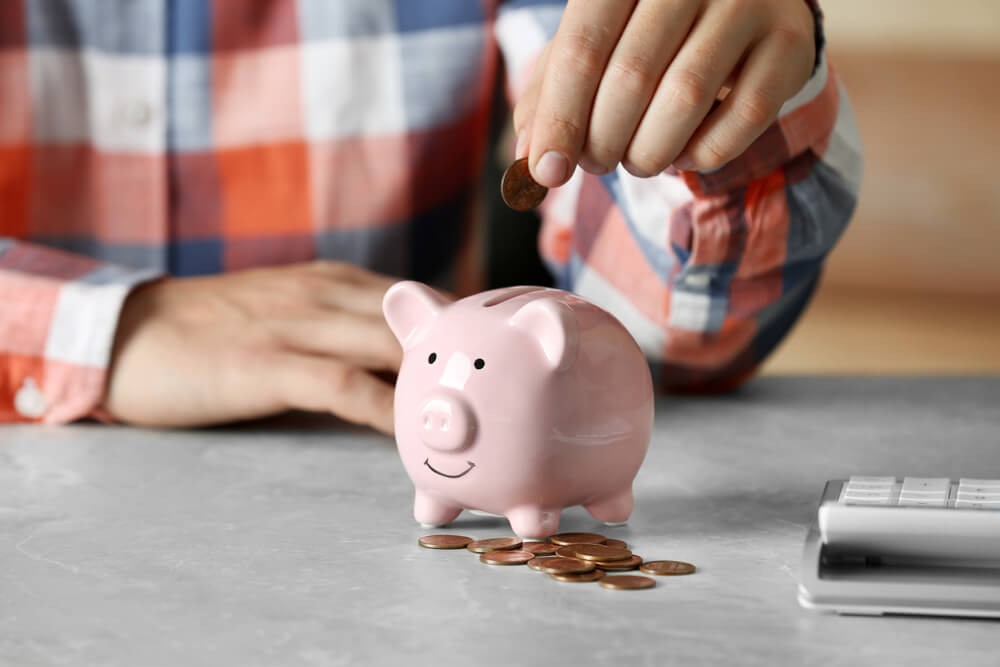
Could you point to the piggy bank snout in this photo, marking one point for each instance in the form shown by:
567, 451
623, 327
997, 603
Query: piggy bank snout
446, 422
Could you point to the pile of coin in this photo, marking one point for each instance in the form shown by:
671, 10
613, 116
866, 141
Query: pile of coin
577, 557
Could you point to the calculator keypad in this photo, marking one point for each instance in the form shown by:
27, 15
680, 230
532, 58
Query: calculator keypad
968, 493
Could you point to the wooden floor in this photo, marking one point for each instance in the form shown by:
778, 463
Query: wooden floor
849, 331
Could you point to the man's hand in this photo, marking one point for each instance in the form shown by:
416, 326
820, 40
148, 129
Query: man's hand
635, 82
198, 351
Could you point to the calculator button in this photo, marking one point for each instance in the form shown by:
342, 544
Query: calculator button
977, 505
869, 501
923, 502
926, 484
978, 497
851, 493
979, 489
985, 483
869, 486
861, 479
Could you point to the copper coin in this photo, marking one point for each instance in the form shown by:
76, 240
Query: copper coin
518, 189
444, 541
506, 557
538, 562
599, 552
667, 567
619, 565
617, 544
540, 548
564, 566
494, 544
627, 582
566, 551
593, 575
562, 539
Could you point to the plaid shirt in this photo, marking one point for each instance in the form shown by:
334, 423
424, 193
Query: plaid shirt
148, 137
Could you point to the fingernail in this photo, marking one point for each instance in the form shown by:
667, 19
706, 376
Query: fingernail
634, 170
521, 149
684, 162
551, 169
592, 167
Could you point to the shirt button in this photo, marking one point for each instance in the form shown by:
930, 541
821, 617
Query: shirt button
136, 113
29, 401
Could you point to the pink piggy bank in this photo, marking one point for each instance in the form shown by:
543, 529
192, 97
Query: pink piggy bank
519, 401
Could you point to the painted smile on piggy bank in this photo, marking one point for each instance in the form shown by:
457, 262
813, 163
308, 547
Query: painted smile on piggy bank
427, 462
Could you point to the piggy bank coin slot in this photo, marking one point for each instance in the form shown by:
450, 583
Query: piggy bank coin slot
509, 294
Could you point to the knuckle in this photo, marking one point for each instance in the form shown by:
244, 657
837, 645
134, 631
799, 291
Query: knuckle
582, 49
689, 89
345, 380
792, 37
711, 153
635, 73
756, 109
566, 127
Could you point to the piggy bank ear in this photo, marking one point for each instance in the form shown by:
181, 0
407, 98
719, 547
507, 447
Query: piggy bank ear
408, 306
553, 325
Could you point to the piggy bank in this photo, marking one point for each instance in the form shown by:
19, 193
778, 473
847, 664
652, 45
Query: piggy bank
519, 402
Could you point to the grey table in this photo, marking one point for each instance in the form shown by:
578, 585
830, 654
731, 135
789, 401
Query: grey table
291, 542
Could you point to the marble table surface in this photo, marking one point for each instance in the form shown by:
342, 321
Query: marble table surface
291, 542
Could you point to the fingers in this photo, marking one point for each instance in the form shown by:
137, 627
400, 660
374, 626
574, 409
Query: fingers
321, 384
690, 85
580, 51
775, 70
651, 39
366, 340
524, 111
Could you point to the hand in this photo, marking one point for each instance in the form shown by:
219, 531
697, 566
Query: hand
635, 82
198, 351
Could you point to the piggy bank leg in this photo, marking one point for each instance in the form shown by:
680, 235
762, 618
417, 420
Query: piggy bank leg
612, 510
430, 511
533, 522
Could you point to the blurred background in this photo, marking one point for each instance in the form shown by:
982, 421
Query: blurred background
914, 285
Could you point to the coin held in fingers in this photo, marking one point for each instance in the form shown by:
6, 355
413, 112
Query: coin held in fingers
519, 190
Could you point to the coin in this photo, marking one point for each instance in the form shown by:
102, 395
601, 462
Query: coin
506, 557
619, 565
618, 544
593, 575
562, 539
598, 552
494, 544
623, 582
518, 189
666, 567
538, 562
540, 548
444, 541
564, 566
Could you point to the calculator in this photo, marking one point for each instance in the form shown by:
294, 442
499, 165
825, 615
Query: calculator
910, 545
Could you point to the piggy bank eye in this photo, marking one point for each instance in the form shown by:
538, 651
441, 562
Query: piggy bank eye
479, 363
431, 359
